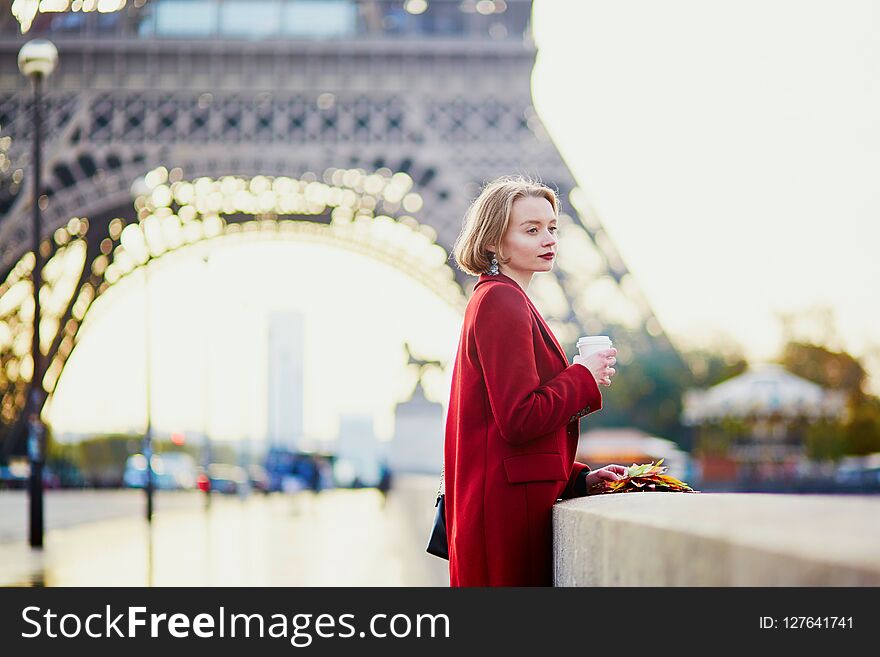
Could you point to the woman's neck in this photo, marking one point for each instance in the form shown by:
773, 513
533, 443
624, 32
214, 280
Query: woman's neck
522, 278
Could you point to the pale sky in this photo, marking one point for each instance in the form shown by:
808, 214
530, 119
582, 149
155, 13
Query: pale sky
209, 323
731, 150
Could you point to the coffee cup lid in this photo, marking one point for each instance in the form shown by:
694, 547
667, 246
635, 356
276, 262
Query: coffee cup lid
594, 339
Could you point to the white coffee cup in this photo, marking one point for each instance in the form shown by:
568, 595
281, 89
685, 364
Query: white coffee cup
590, 344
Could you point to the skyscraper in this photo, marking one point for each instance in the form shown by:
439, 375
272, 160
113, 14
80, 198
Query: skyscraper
284, 426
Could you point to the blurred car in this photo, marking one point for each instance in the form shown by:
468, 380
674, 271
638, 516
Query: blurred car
69, 475
867, 479
292, 471
228, 479
135, 473
180, 470
15, 475
171, 471
258, 478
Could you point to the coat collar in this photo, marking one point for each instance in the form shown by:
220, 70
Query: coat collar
545, 329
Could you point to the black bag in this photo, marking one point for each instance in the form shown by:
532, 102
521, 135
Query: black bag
437, 544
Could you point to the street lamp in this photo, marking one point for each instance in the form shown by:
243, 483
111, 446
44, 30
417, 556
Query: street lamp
206, 392
36, 60
140, 188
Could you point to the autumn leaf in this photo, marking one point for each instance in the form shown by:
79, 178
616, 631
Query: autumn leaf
640, 478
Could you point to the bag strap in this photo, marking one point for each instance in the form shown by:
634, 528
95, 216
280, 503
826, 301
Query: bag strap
442, 489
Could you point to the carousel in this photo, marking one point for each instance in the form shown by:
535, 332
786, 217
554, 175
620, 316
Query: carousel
754, 425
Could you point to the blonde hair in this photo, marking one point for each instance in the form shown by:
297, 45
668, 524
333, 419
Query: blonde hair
487, 219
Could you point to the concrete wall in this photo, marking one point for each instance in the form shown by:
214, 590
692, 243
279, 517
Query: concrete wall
717, 539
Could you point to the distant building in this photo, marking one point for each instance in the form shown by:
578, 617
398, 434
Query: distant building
358, 452
629, 445
755, 424
418, 435
765, 391
286, 388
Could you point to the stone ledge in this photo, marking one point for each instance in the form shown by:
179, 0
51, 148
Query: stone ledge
717, 539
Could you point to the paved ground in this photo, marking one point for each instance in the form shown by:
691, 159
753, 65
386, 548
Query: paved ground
68, 508
335, 538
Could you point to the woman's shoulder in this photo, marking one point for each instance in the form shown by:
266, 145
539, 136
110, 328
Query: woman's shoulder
492, 297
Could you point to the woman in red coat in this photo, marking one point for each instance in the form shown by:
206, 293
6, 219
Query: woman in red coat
515, 404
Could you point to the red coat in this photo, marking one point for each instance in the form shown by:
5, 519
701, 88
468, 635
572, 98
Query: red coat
511, 437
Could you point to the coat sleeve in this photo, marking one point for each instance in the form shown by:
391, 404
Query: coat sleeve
523, 408
577, 485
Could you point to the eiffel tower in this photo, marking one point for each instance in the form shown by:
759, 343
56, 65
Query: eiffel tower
366, 124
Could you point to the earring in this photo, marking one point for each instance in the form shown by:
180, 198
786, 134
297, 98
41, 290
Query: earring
493, 268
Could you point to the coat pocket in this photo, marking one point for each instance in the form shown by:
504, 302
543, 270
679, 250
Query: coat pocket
534, 467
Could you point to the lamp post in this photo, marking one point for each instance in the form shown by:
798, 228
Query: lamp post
148, 433
36, 60
206, 390
140, 188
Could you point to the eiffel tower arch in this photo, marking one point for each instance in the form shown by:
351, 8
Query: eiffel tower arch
343, 126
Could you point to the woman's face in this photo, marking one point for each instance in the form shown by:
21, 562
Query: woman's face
530, 240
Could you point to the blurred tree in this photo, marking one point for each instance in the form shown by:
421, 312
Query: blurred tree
859, 434
830, 369
14, 441
63, 460
824, 440
648, 390
102, 459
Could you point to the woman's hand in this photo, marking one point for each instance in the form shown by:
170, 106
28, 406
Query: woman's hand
611, 472
600, 364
